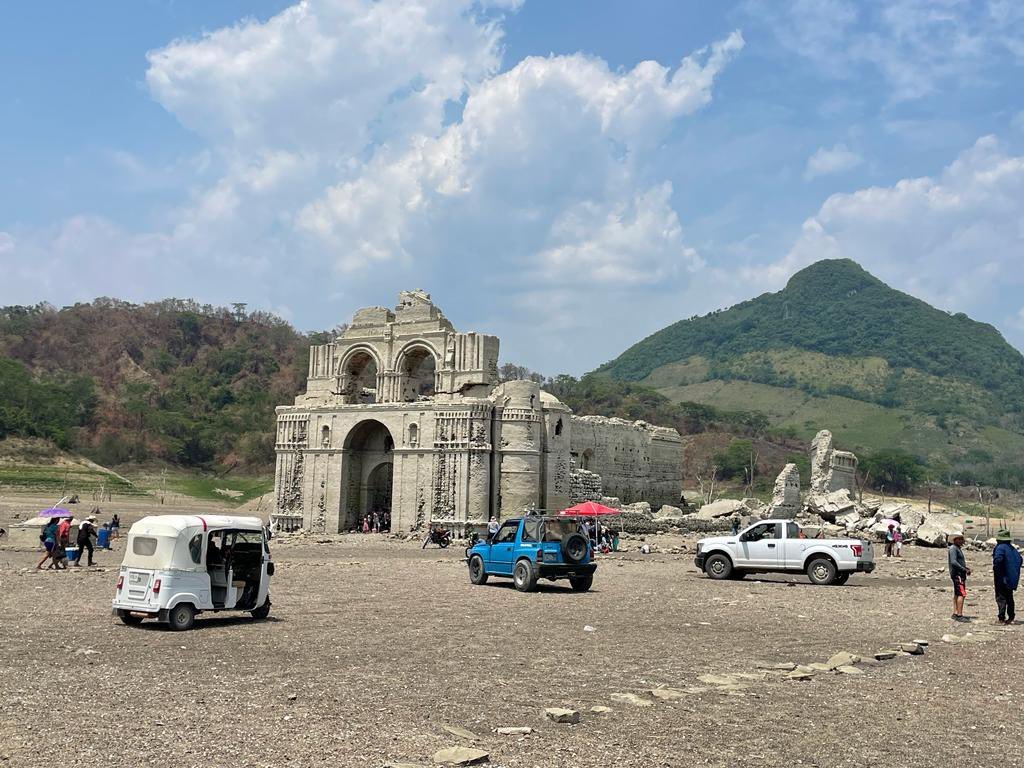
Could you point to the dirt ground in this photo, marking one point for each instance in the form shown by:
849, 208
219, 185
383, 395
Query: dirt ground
374, 645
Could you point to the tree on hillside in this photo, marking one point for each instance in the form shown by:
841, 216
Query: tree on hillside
893, 468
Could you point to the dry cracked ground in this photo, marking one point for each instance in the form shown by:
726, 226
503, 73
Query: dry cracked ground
375, 646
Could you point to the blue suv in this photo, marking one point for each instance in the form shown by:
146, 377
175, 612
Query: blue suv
531, 548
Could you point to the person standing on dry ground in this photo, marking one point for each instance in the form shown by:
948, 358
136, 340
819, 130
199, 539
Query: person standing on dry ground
958, 572
897, 540
1006, 573
890, 539
49, 539
115, 527
86, 533
60, 552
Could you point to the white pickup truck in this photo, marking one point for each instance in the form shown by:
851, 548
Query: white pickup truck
779, 546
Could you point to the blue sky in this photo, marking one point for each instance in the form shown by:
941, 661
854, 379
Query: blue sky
569, 175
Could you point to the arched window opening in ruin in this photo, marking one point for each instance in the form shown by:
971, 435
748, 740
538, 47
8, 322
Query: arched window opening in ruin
359, 378
325, 437
418, 368
558, 428
585, 459
414, 435
367, 484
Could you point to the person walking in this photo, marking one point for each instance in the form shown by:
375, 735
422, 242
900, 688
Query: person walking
1006, 562
890, 539
958, 572
86, 533
49, 539
897, 540
60, 552
366, 524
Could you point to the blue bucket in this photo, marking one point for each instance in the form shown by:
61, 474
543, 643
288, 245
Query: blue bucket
103, 538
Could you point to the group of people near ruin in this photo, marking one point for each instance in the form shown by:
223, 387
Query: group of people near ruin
894, 540
376, 522
603, 538
1006, 563
56, 540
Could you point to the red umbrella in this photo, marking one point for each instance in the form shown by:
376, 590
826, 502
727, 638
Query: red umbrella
589, 509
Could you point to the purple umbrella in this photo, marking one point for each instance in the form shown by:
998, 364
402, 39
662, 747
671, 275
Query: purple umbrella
55, 512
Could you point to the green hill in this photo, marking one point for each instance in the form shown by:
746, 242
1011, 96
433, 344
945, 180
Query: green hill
172, 381
839, 349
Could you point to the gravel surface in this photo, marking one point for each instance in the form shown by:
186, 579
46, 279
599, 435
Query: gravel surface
374, 646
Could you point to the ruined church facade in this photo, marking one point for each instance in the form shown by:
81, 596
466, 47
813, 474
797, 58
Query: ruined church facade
405, 415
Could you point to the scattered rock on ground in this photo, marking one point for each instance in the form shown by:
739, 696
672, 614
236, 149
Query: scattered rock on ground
562, 715
460, 756
842, 659
631, 698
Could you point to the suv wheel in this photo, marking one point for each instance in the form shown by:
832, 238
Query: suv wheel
821, 571
525, 576
581, 583
718, 566
477, 572
181, 617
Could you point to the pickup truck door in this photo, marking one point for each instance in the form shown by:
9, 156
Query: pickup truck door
502, 544
794, 547
761, 545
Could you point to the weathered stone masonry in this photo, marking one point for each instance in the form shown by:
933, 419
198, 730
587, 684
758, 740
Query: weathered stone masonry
404, 414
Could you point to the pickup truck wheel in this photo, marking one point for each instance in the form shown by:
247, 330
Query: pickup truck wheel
574, 548
477, 572
181, 617
524, 576
821, 571
841, 578
581, 583
718, 566
131, 619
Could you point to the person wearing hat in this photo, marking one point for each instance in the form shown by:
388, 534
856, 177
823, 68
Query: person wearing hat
958, 572
1006, 573
86, 533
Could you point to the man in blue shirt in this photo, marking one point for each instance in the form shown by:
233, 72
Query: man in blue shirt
1006, 573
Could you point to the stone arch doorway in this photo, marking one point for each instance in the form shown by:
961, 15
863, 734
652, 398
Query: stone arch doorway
378, 491
359, 377
368, 476
418, 369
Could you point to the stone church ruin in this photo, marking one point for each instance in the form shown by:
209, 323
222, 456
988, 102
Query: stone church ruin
404, 415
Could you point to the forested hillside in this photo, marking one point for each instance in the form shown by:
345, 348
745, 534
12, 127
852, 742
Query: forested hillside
839, 349
186, 383
907, 353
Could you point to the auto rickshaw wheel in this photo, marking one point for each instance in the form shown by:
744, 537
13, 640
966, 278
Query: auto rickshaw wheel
131, 619
263, 611
181, 617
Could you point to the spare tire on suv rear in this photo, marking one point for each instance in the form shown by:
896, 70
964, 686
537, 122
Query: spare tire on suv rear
574, 547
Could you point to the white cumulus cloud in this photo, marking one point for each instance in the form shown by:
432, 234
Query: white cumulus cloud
835, 160
355, 147
955, 240
915, 45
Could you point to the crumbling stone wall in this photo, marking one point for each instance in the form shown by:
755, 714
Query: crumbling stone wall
831, 470
584, 485
636, 461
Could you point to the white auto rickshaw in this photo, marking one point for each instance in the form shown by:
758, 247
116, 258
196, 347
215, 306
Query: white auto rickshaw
178, 565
